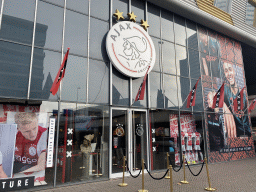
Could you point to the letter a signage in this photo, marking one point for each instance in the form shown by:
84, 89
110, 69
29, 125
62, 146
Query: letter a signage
130, 49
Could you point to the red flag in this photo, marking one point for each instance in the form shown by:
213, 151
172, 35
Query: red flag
141, 92
192, 96
239, 101
252, 105
218, 99
60, 75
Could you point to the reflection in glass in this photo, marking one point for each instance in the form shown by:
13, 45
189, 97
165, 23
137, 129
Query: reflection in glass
74, 83
156, 92
179, 28
168, 57
154, 18
192, 35
18, 21
79, 5
49, 24
98, 82
157, 43
45, 67
98, 34
167, 26
199, 97
101, 11
57, 2
203, 40
120, 88
215, 67
184, 91
138, 8
182, 61
76, 29
194, 63
170, 90
213, 44
15, 64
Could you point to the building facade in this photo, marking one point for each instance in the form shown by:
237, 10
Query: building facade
83, 132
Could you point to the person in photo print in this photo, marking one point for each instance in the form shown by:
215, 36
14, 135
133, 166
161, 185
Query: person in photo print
2, 173
31, 144
236, 123
215, 129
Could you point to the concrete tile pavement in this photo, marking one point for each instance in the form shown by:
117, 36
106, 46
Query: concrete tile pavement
235, 176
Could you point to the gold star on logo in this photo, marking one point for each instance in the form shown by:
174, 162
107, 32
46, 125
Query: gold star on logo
132, 16
118, 15
144, 24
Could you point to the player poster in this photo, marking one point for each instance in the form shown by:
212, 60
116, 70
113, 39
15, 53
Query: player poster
30, 145
228, 128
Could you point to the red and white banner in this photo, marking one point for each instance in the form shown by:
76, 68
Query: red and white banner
60, 75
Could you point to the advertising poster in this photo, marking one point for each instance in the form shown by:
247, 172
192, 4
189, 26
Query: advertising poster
31, 144
190, 138
228, 128
7, 146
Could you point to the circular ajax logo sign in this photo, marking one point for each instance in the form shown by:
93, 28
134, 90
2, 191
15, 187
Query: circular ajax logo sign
130, 49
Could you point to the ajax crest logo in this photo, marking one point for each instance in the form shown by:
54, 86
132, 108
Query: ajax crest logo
130, 49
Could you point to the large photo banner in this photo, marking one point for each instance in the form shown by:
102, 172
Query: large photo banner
228, 128
7, 147
30, 144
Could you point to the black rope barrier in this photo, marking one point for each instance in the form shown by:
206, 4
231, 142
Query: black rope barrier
198, 172
131, 173
179, 167
154, 177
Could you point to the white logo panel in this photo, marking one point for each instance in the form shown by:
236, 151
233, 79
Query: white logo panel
130, 49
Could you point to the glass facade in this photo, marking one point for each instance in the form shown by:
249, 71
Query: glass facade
84, 131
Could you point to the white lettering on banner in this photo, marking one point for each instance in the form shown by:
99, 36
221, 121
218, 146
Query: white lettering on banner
16, 183
50, 143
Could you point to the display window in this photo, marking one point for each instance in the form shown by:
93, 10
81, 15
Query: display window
83, 143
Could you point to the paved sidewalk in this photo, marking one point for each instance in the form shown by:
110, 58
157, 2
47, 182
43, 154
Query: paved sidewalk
235, 176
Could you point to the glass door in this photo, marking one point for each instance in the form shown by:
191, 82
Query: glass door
129, 139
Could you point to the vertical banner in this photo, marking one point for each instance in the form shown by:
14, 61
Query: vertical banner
228, 126
69, 134
50, 143
31, 144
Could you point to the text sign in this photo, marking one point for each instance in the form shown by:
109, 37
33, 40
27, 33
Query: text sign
50, 143
16, 184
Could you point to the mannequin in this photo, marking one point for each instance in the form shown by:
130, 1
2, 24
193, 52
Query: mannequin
86, 149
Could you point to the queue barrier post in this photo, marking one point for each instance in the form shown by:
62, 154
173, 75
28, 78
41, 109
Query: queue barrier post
142, 190
171, 182
168, 175
184, 181
209, 182
123, 184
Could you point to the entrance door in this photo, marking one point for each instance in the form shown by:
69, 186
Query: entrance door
129, 138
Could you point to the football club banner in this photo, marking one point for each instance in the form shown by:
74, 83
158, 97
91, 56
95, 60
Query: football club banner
60, 75
252, 105
218, 99
141, 92
238, 101
192, 95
